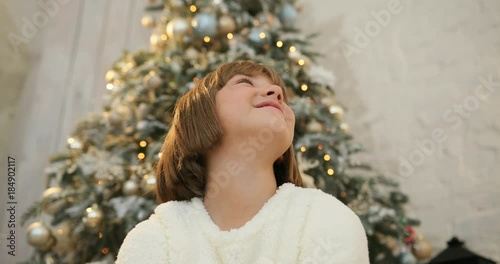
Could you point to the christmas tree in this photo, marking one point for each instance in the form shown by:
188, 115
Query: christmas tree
102, 186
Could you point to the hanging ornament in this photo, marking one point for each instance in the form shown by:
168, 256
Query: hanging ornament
148, 183
52, 201
142, 111
111, 76
259, 37
130, 187
65, 239
177, 29
93, 216
148, 21
288, 16
345, 127
191, 54
158, 41
314, 126
421, 249
152, 80
336, 111
226, 24
204, 24
39, 236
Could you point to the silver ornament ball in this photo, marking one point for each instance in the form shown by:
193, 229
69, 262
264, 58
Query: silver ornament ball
205, 25
177, 28
259, 37
288, 16
40, 236
130, 187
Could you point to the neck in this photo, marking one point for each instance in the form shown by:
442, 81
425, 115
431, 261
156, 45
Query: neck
237, 187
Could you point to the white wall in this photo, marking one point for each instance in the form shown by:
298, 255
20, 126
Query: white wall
427, 59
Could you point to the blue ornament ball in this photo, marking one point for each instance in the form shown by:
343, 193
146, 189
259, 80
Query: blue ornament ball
288, 16
204, 24
259, 37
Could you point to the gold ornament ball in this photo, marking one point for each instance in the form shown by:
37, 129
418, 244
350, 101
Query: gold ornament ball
112, 75
152, 80
40, 236
65, 239
93, 216
345, 127
52, 201
226, 24
158, 41
421, 249
336, 111
130, 187
314, 126
148, 21
148, 183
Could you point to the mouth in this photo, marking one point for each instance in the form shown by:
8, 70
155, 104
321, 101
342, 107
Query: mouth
270, 104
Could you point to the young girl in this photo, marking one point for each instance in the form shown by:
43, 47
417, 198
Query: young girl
228, 185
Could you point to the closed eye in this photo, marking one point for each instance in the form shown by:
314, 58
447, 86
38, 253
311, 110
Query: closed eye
245, 80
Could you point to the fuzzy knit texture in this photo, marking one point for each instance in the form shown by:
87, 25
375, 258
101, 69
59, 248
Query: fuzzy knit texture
296, 225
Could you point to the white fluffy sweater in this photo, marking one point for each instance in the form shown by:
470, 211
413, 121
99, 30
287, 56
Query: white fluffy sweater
296, 225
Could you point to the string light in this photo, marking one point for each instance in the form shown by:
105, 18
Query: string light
159, 155
143, 143
301, 62
330, 172
141, 156
206, 39
292, 48
230, 35
100, 235
262, 35
279, 44
71, 140
320, 147
192, 8
326, 157
304, 87
303, 149
105, 251
110, 86
163, 37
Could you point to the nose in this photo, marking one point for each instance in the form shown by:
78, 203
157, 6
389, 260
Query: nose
276, 92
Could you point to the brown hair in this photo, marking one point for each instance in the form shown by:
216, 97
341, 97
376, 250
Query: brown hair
195, 129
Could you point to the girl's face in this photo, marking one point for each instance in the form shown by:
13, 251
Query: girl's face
254, 107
